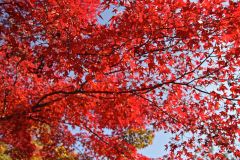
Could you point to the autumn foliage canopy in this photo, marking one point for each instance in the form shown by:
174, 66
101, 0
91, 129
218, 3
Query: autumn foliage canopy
72, 84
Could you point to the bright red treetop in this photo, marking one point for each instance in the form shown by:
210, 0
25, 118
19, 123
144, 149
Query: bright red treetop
160, 64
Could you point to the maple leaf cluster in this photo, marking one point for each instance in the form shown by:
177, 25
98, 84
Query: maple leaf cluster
75, 85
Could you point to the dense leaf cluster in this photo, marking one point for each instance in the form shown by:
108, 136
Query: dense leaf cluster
67, 80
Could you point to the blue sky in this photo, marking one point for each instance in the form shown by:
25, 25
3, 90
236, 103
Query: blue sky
157, 149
